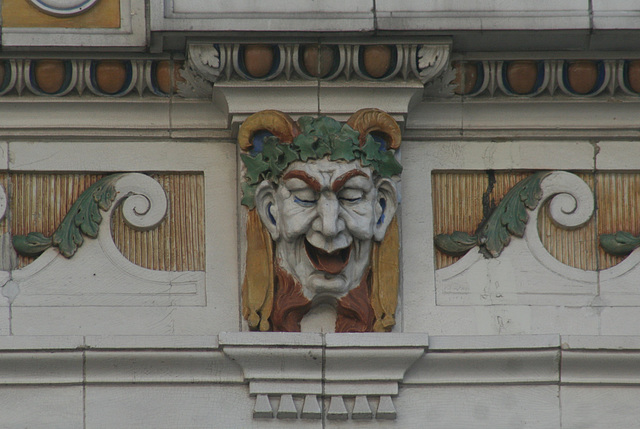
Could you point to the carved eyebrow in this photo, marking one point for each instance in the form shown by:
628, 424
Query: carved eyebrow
340, 181
299, 174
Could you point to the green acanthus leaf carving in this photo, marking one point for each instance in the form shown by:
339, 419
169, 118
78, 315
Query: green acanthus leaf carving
620, 244
83, 218
255, 167
32, 244
509, 218
248, 195
457, 243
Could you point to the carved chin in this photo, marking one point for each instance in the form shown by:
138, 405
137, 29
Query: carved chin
331, 263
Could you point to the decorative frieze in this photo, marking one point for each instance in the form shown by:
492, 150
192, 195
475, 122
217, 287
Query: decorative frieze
105, 78
532, 78
597, 245
113, 279
510, 270
325, 62
40, 202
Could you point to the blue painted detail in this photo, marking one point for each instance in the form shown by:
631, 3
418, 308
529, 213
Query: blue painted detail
480, 80
273, 220
304, 203
383, 204
378, 138
258, 141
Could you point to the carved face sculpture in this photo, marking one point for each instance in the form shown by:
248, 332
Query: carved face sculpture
323, 196
323, 216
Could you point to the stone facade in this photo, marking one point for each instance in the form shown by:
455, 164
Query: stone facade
499, 266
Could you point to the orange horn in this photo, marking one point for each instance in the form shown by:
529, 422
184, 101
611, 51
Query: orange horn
366, 121
277, 123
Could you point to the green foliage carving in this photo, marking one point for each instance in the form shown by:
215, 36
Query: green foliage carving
509, 218
83, 218
620, 244
320, 137
457, 243
31, 244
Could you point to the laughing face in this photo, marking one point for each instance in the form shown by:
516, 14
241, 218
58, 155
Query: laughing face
324, 216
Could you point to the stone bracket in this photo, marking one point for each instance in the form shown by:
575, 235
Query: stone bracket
364, 367
330, 79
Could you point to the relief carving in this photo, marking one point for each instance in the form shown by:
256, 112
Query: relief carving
321, 227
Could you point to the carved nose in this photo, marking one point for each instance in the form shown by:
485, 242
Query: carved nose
328, 211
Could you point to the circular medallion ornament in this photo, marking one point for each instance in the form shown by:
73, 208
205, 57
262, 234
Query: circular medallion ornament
63, 7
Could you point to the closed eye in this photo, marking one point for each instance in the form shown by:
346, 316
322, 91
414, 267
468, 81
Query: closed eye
350, 195
304, 203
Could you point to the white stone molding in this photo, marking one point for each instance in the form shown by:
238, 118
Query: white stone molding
525, 272
450, 360
153, 373
206, 59
98, 274
432, 61
332, 366
249, 16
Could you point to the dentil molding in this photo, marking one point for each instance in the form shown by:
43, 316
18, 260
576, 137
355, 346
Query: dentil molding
366, 367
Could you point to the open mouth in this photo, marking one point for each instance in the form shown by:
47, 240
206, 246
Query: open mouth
332, 263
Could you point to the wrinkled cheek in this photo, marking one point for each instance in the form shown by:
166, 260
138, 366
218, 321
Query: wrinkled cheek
362, 229
295, 226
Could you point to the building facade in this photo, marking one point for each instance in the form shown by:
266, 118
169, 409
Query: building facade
441, 197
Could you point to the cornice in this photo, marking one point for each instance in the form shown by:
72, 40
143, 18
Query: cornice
296, 371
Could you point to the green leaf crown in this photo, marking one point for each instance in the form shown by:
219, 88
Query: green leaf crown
320, 137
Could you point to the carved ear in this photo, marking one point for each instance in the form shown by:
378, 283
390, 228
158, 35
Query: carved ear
267, 208
385, 207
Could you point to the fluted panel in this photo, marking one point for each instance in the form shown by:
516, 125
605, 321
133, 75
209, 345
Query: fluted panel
4, 223
177, 244
574, 247
39, 202
457, 206
617, 195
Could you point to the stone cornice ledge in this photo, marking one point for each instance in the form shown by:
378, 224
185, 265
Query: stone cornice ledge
327, 365
367, 369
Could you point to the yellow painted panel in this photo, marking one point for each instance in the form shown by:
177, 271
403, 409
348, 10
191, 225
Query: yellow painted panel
39, 202
21, 13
